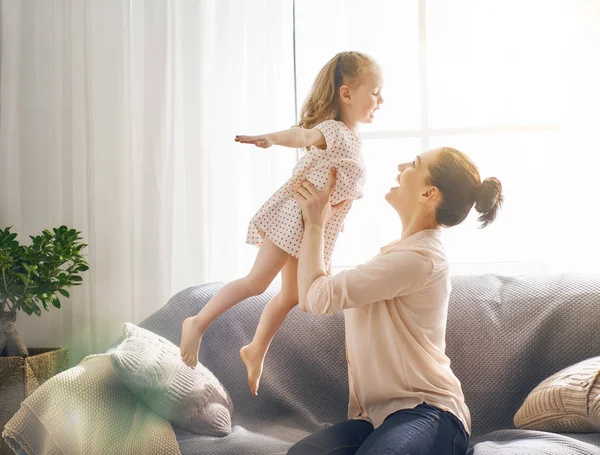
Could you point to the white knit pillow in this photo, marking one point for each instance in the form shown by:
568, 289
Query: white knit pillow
567, 402
152, 368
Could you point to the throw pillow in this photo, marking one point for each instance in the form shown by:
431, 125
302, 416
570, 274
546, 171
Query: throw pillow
152, 368
566, 402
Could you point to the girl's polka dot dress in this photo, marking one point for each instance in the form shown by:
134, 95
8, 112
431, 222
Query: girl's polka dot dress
280, 218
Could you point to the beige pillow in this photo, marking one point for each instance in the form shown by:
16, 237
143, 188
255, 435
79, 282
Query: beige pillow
566, 402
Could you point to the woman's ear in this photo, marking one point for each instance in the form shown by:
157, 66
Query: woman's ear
345, 94
430, 194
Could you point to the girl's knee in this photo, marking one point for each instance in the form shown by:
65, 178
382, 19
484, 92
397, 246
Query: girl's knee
255, 286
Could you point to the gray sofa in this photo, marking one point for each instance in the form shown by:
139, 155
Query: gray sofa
504, 336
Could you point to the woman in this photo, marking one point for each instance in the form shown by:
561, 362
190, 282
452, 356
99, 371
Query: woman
404, 397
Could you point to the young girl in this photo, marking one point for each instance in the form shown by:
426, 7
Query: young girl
346, 93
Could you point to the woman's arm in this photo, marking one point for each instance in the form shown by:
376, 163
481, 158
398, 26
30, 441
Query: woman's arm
294, 137
311, 265
316, 210
388, 276
384, 278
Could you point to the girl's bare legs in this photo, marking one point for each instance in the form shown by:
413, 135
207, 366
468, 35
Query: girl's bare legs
269, 261
271, 319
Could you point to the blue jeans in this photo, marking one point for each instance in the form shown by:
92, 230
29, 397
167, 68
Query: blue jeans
424, 430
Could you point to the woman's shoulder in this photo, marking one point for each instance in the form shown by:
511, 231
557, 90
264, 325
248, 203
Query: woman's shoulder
426, 244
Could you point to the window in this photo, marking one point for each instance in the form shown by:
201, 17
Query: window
489, 78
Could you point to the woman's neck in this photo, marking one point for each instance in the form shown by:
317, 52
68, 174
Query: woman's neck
411, 227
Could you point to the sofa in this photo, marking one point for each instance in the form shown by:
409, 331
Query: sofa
504, 336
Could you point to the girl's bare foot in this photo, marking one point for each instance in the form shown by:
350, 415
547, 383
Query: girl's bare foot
191, 336
254, 365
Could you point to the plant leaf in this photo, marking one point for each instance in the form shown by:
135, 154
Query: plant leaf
65, 293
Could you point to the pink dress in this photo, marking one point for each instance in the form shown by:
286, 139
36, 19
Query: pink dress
280, 218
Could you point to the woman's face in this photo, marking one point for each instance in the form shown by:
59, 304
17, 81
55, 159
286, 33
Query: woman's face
413, 191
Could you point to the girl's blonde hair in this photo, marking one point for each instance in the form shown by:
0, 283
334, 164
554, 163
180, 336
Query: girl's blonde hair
346, 68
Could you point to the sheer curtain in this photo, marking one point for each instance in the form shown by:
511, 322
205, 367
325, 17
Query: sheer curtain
117, 118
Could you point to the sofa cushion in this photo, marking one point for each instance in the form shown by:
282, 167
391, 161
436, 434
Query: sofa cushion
567, 401
529, 442
152, 368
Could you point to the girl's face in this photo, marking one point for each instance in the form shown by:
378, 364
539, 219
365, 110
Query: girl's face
413, 190
364, 100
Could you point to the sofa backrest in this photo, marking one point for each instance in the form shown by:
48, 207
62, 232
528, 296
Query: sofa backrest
304, 383
504, 336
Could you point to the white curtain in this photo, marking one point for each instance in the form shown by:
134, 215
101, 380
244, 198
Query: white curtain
117, 118
576, 192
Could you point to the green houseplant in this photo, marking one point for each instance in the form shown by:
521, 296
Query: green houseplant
34, 277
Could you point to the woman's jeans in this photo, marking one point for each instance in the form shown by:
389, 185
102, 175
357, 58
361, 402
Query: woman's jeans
424, 430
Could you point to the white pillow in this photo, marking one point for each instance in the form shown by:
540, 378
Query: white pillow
566, 402
152, 368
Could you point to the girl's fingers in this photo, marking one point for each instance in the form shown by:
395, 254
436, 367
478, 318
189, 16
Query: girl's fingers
245, 139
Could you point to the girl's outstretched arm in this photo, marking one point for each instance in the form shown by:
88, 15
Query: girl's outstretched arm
294, 137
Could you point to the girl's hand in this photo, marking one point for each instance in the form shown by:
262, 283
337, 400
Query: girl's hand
315, 204
263, 141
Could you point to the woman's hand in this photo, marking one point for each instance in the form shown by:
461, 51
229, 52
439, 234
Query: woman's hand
263, 141
315, 204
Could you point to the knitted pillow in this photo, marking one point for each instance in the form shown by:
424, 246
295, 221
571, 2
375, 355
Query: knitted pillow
568, 401
152, 368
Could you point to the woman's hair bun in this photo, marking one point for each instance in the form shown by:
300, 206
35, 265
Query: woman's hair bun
488, 200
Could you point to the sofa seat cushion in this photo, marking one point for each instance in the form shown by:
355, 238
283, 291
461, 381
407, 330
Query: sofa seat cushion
529, 442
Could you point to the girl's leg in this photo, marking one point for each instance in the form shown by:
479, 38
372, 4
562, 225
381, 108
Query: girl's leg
425, 430
269, 261
341, 439
271, 319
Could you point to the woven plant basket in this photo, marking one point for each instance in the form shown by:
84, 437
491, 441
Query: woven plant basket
20, 376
